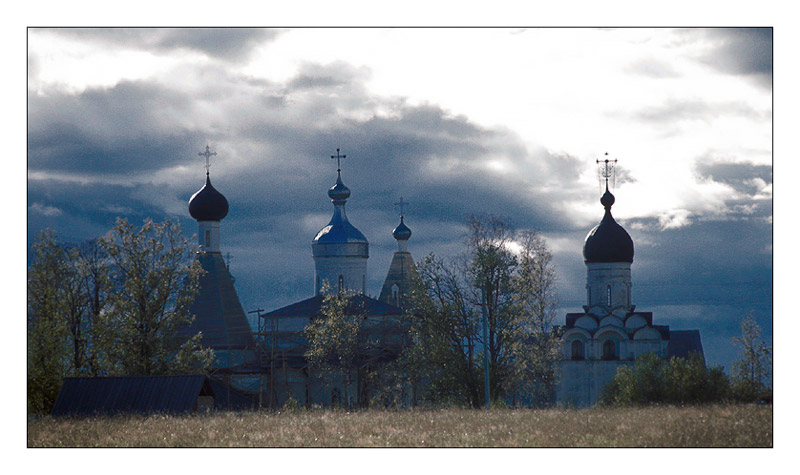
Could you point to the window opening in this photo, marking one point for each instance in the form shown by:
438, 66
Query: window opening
577, 350
609, 350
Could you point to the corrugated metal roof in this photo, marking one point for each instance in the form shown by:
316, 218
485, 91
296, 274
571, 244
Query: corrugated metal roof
130, 394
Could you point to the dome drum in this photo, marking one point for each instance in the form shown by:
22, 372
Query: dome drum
336, 249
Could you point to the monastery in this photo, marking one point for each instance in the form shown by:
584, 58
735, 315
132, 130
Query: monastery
269, 361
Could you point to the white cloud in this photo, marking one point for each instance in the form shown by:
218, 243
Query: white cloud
44, 210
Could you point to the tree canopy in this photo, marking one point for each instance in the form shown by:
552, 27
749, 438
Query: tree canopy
110, 307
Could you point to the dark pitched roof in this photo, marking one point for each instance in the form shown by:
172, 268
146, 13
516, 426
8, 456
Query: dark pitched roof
218, 312
130, 394
682, 343
313, 307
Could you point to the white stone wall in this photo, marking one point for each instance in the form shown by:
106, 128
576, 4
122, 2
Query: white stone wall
581, 382
208, 235
602, 276
352, 269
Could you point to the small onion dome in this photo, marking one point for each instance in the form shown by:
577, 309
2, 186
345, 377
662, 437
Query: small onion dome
208, 204
339, 192
401, 232
339, 230
608, 241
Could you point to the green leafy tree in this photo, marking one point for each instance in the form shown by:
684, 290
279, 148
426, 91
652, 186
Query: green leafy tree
444, 335
337, 342
48, 351
534, 346
95, 275
751, 372
513, 273
154, 281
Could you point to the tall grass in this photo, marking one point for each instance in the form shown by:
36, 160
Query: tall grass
703, 426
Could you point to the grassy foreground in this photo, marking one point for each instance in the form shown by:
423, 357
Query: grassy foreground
709, 426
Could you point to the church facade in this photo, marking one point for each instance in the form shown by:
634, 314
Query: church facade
610, 332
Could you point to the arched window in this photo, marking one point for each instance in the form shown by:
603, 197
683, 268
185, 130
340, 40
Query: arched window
341, 284
608, 296
577, 350
609, 350
208, 238
396, 294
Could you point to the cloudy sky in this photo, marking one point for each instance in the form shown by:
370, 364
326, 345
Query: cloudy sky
456, 121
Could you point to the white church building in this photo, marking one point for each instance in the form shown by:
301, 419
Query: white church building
610, 332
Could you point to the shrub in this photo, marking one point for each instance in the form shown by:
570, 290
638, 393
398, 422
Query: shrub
654, 380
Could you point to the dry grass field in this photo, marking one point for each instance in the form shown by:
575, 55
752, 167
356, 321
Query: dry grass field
709, 426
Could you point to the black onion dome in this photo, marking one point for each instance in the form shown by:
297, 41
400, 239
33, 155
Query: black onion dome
208, 204
608, 241
401, 232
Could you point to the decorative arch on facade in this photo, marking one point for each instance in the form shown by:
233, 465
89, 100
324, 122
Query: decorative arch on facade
574, 333
586, 321
613, 332
610, 350
635, 321
612, 321
620, 311
647, 333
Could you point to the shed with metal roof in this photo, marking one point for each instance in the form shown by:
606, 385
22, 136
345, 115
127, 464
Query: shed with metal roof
172, 394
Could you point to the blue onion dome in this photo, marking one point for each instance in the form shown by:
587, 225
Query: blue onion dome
339, 230
608, 241
401, 232
338, 191
208, 204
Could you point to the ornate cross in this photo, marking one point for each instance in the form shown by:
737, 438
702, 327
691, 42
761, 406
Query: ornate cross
402, 204
338, 158
607, 169
208, 154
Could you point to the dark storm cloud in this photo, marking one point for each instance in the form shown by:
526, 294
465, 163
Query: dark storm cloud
114, 130
221, 43
739, 51
746, 178
742, 50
